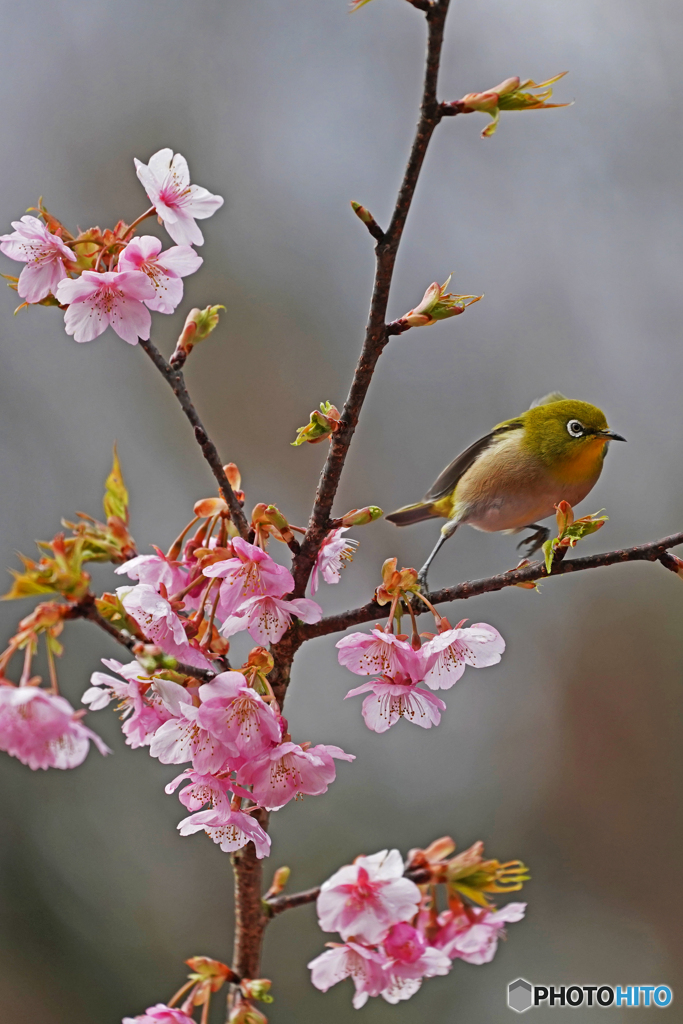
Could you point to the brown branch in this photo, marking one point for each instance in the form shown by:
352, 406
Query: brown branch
86, 609
176, 381
652, 552
250, 915
376, 335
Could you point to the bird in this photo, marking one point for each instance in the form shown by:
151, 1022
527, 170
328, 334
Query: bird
516, 474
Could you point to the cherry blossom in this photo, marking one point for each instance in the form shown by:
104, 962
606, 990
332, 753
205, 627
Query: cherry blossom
351, 960
98, 301
394, 697
366, 898
204, 789
378, 651
43, 253
154, 570
252, 573
160, 624
164, 269
288, 771
410, 960
42, 730
182, 738
160, 1014
234, 712
473, 935
268, 618
479, 645
166, 180
229, 828
141, 707
334, 553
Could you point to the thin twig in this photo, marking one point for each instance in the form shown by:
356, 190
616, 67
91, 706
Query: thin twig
652, 552
86, 609
176, 381
376, 336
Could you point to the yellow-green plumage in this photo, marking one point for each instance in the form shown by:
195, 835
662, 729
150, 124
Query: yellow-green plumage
515, 475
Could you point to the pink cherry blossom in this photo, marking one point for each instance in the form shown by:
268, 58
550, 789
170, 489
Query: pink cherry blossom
160, 624
252, 573
268, 618
155, 570
98, 301
366, 898
42, 730
368, 653
479, 645
332, 557
410, 960
287, 771
234, 712
142, 711
473, 935
43, 253
160, 1014
166, 180
352, 960
394, 697
230, 829
164, 269
182, 738
203, 789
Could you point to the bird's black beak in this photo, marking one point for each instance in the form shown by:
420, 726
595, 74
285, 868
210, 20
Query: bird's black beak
610, 435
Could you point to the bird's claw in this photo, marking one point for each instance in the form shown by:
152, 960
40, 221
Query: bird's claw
534, 541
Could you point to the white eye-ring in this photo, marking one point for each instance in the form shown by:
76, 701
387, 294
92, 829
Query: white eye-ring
574, 428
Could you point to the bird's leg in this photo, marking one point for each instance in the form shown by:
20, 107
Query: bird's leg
446, 531
535, 541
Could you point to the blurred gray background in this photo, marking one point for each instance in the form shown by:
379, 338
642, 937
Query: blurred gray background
568, 753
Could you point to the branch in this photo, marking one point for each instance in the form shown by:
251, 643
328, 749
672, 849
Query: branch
277, 904
652, 552
376, 335
86, 609
176, 381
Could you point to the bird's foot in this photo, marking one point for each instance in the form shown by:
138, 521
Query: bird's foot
534, 541
422, 580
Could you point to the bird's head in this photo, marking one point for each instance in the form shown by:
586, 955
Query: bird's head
565, 431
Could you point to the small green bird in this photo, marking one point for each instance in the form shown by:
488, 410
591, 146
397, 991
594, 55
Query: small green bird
516, 475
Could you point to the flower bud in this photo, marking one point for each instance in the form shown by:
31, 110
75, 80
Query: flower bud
280, 879
438, 304
361, 516
322, 424
198, 325
257, 988
208, 507
269, 519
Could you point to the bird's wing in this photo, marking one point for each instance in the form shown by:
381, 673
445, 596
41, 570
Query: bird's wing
554, 396
447, 480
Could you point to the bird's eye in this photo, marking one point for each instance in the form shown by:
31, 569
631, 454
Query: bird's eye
575, 428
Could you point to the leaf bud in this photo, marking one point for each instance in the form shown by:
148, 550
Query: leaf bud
322, 424
208, 507
257, 988
361, 516
280, 879
198, 325
438, 304
207, 970
510, 95
259, 660
245, 1013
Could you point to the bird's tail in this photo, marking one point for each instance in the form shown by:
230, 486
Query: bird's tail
413, 514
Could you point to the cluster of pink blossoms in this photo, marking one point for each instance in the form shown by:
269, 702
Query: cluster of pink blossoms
42, 730
402, 667
391, 939
117, 278
234, 737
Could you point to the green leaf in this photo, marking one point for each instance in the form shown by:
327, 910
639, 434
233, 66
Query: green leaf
549, 552
115, 495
